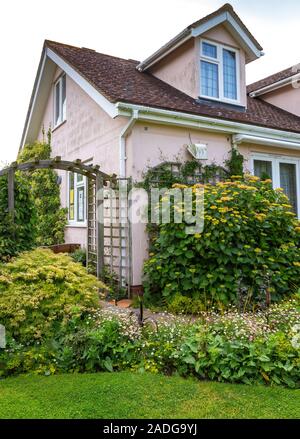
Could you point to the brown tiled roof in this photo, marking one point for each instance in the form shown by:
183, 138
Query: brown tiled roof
118, 80
272, 79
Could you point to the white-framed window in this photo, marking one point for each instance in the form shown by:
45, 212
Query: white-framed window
219, 72
76, 198
284, 172
60, 100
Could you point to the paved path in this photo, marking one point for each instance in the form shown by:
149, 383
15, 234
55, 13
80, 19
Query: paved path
148, 315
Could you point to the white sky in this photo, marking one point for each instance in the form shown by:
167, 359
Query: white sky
126, 28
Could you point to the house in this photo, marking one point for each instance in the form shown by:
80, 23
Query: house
121, 114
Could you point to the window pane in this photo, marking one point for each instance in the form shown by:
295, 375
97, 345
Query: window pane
80, 203
57, 103
288, 182
263, 169
209, 50
229, 71
209, 79
79, 178
71, 196
63, 97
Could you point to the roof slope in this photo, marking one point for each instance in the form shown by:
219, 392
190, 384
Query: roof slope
119, 81
272, 79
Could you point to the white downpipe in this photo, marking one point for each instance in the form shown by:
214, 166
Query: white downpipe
124, 133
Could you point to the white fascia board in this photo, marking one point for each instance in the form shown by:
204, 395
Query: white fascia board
202, 28
244, 36
168, 117
104, 103
276, 85
164, 51
227, 17
33, 100
258, 140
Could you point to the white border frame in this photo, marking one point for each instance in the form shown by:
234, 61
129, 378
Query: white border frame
276, 159
63, 112
219, 62
75, 223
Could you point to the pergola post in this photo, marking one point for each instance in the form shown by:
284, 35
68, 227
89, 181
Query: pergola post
100, 224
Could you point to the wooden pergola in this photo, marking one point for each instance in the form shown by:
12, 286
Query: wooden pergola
96, 180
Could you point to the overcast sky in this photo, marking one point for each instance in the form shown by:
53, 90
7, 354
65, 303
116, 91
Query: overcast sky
125, 28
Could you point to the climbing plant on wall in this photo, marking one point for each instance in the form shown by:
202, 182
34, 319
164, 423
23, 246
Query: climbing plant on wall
19, 233
51, 218
235, 163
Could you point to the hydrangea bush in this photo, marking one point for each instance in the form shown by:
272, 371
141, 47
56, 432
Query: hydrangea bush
250, 247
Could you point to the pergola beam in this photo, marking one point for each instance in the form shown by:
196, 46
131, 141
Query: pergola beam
76, 166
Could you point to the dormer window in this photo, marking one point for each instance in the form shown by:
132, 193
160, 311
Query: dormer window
219, 72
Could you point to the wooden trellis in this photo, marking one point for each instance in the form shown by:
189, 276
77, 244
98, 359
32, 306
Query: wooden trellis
97, 247
201, 174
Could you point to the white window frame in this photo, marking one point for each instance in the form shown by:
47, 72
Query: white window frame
219, 61
62, 106
77, 185
276, 160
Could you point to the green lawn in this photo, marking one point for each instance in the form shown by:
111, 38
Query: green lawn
129, 395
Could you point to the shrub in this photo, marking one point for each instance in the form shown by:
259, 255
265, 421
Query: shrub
180, 304
264, 360
51, 218
106, 341
41, 291
249, 247
19, 234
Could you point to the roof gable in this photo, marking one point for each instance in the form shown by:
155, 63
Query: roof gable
225, 16
49, 61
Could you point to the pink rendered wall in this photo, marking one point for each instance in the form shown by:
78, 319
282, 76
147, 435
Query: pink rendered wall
181, 68
286, 97
152, 144
89, 134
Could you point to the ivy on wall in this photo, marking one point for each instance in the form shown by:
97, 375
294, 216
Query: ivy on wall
235, 163
19, 233
51, 218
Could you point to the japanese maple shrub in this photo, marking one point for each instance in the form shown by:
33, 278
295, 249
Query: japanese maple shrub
41, 292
